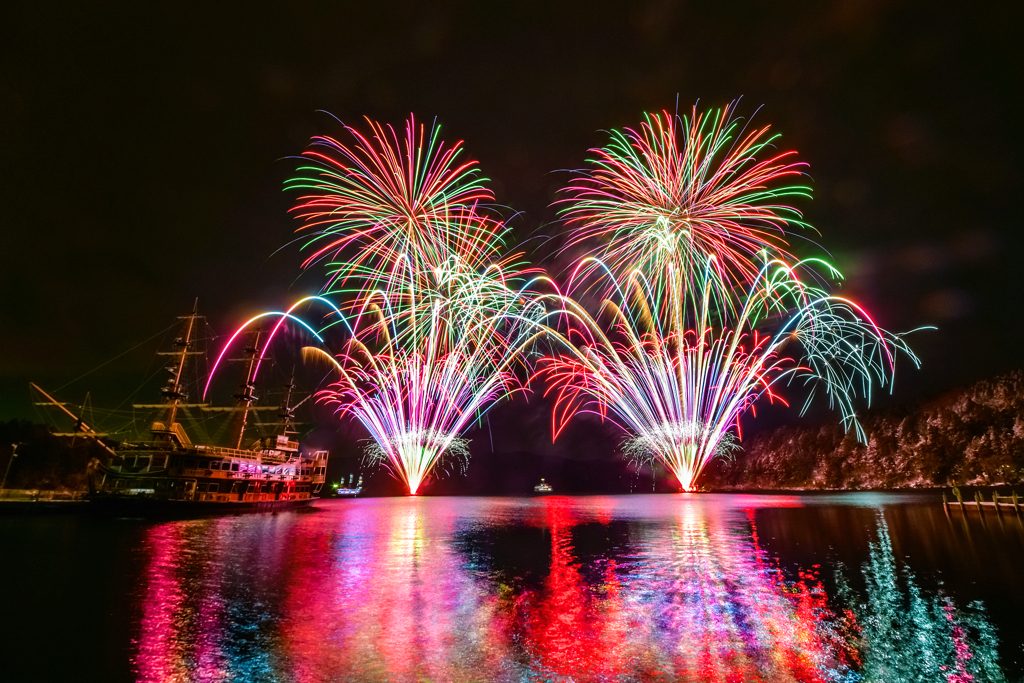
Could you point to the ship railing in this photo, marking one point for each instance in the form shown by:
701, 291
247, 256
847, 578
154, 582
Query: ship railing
264, 456
229, 452
147, 446
265, 477
279, 444
256, 476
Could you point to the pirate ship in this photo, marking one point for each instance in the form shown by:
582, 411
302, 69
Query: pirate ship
168, 472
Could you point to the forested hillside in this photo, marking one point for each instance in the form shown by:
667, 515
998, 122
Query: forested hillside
44, 461
972, 436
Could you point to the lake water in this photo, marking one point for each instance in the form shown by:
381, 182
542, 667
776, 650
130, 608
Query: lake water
622, 588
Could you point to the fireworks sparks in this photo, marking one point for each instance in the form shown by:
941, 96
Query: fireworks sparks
703, 311
679, 390
438, 317
664, 197
366, 204
423, 364
683, 225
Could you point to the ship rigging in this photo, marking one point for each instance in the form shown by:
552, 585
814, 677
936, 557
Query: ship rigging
171, 472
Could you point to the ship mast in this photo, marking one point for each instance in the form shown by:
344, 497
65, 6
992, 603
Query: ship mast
287, 414
169, 430
246, 395
173, 391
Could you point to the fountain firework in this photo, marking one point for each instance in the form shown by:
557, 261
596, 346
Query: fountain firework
437, 317
423, 363
703, 310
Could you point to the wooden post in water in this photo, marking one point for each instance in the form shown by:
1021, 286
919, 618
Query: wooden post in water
995, 499
945, 504
977, 501
959, 499
1016, 508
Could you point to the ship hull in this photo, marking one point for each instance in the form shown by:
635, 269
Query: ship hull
140, 506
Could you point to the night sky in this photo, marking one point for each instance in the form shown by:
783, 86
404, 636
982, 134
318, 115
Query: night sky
144, 146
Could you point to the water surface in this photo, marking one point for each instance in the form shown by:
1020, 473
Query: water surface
619, 588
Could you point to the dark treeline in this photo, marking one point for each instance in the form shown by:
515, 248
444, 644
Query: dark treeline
44, 461
968, 436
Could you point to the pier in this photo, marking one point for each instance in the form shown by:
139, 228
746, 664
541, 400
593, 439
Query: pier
998, 504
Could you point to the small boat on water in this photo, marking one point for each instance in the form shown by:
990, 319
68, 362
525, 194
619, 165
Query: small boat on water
542, 487
350, 491
169, 473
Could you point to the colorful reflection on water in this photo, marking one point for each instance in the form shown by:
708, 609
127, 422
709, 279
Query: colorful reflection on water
639, 588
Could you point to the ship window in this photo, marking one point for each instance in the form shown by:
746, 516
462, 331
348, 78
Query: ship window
234, 467
175, 462
201, 488
190, 463
159, 461
214, 465
213, 488
116, 460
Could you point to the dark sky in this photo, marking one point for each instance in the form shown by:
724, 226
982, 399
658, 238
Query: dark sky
144, 145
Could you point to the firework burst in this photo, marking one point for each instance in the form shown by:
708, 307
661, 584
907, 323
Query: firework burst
703, 310
436, 317
384, 197
664, 197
